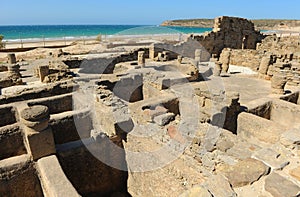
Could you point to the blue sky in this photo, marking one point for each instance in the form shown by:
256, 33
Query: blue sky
143, 12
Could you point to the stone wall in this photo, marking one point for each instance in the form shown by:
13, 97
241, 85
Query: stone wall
107, 65
71, 126
274, 56
94, 177
185, 49
230, 32
56, 104
248, 58
54, 89
11, 141
18, 177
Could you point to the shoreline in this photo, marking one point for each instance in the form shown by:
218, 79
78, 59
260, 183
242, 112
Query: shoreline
52, 42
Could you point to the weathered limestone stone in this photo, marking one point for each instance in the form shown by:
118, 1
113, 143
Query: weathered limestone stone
217, 69
35, 113
198, 53
130, 88
218, 185
233, 109
197, 191
290, 138
277, 83
141, 58
152, 52
279, 186
271, 158
250, 125
18, 177
43, 72
296, 173
264, 66
11, 58
41, 144
245, 172
14, 74
228, 32
35, 118
260, 107
225, 59
164, 119
241, 150
158, 110
39, 136
54, 180
225, 141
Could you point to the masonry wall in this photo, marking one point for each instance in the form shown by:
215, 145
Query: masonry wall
230, 32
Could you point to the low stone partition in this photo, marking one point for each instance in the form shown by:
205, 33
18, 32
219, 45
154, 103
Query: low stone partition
290, 112
129, 88
53, 179
171, 103
260, 107
8, 115
56, 104
43, 92
95, 166
264, 119
71, 126
250, 58
11, 141
107, 65
275, 109
18, 177
252, 126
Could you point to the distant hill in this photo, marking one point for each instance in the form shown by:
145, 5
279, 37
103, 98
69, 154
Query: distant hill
260, 24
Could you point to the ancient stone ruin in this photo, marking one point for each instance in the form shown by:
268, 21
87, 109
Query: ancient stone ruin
214, 115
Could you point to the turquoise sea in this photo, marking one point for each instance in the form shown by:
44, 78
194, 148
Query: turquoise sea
38, 32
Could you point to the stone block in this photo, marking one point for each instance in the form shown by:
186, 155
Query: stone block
218, 185
198, 53
295, 173
40, 144
279, 186
264, 65
43, 72
11, 58
271, 158
141, 58
251, 126
217, 69
290, 138
53, 178
277, 83
245, 172
164, 119
197, 191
